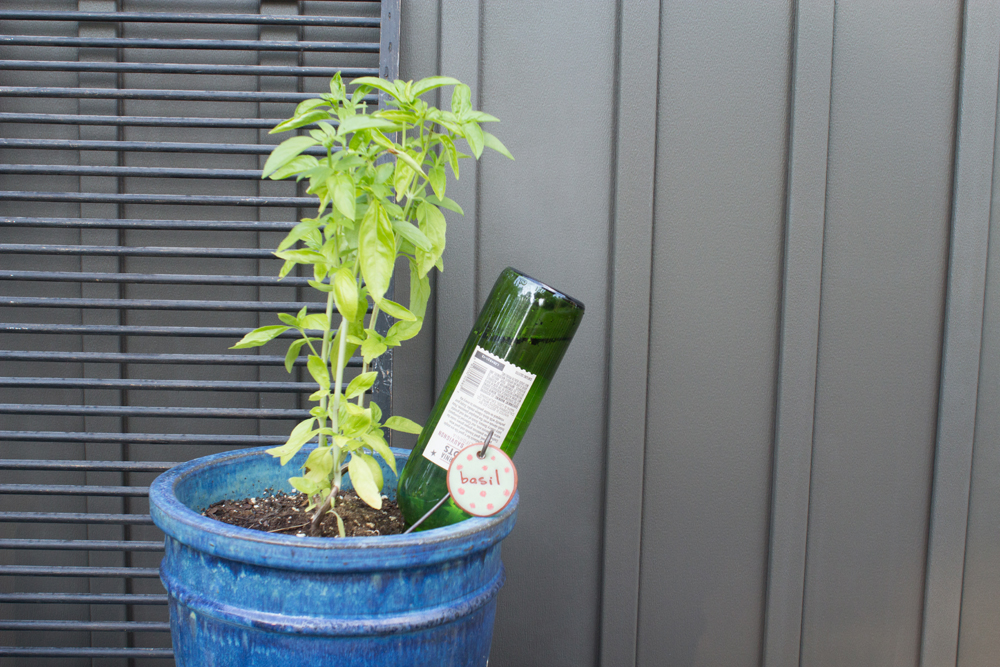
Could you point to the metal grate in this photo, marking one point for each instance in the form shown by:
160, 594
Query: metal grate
134, 250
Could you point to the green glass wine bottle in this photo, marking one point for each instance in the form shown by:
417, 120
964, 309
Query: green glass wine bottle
496, 385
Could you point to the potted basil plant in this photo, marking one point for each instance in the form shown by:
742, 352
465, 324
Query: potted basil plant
246, 598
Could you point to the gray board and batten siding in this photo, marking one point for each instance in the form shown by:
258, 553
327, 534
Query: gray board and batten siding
777, 214
776, 438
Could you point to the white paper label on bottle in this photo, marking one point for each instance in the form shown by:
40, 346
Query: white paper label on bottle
488, 396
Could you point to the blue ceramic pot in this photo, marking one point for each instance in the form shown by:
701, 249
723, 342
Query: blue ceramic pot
245, 598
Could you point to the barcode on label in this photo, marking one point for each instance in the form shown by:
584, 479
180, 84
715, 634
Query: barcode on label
473, 378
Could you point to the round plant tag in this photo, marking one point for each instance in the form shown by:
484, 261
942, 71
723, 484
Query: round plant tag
482, 486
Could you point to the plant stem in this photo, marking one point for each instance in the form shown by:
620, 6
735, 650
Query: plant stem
325, 356
364, 364
322, 509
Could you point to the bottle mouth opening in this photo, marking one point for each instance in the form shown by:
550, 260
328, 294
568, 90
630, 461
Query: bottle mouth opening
548, 288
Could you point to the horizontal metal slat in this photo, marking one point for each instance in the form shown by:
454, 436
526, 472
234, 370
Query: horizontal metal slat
115, 466
161, 304
201, 44
173, 385
132, 223
186, 200
84, 598
87, 626
150, 411
130, 330
81, 545
143, 438
137, 121
130, 172
93, 652
77, 517
183, 68
73, 490
152, 278
137, 251
143, 358
178, 17
159, 94
143, 146
79, 571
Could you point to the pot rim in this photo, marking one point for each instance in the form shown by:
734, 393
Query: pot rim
416, 549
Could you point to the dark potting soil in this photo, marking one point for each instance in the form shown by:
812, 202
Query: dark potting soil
286, 514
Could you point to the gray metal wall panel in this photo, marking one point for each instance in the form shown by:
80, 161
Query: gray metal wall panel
979, 640
547, 73
888, 209
717, 234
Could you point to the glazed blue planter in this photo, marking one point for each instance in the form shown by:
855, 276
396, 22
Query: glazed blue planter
245, 598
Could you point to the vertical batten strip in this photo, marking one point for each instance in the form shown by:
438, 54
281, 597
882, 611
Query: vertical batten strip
630, 284
388, 69
963, 333
456, 291
805, 216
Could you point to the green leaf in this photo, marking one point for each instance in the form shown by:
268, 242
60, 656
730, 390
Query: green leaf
304, 485
337, 88
409, 161
482, 117
401, 331
434, 226
365, 122
432, 82
444, 202
317, 321
319, 371
374, 82
395, 310
322, 287
360, 384
376, 250
320, 462
297, 166
258, 337
495, 144
420, 292
461, 100
374, 467
306, 106
438, 180
300, 256
344, 196
299, 436
345, 293
401, 180
373, 346
340, 525
296, 122
384, 171
293, 353
378, 445
451, 153
363, 481
412, 234
474, 135
354, 420
290, 320
285, 151
403, 425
